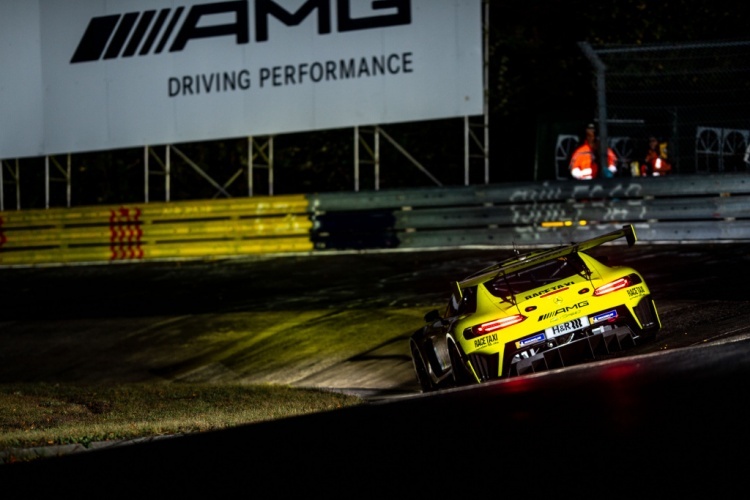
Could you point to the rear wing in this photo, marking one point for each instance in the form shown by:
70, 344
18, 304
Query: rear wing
627, 232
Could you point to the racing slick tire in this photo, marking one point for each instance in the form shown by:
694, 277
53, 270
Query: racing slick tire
420, 369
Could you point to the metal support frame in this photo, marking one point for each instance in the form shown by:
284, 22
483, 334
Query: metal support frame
229, 182
166, 169
601, 98
471, 140
65, 171
16, 174
409, 157
201, 172
374, 152
265, 151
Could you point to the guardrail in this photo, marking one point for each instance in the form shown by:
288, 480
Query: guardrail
692, 209
663, 209
192, 229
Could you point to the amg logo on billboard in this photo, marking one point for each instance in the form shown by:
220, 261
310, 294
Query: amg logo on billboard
149, 32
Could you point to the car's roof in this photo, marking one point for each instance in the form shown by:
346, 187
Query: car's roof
534, 258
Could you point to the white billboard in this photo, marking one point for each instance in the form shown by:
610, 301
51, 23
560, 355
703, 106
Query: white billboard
87, 75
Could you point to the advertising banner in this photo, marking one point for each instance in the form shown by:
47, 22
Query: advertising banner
86, 75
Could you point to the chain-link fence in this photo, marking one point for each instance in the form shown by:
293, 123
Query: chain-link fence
693, 99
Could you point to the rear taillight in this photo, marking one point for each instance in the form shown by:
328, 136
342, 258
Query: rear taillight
618, 284
493, 326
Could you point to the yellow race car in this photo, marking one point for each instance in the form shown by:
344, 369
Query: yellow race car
533, 312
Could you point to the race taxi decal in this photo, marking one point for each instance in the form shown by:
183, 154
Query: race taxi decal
485, 341
636, 291
550, 290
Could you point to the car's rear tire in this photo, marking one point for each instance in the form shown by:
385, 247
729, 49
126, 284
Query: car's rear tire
420, 369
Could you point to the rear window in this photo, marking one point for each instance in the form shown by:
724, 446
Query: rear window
467, 305
544, 274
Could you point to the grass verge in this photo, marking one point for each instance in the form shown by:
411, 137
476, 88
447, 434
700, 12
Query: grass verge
38, 415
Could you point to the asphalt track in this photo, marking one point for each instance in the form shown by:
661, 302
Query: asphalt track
668, 418
649, 426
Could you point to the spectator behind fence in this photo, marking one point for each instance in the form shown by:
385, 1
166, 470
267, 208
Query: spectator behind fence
655, 163
584, 163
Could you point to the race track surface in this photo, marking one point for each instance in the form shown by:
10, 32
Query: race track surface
337, 321
655, 413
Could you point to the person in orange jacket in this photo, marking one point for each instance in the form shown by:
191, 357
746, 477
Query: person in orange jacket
584, 162
655, 163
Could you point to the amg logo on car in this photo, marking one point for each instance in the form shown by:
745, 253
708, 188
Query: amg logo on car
124, 35
563, 310
555, 288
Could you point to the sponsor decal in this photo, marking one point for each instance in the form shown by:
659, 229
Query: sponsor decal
552, 289
564, 310
343, 69
209, 83
605, 316
570, 326
151, 32
485, 341
169, 30
530, 340
292, 74
636, 291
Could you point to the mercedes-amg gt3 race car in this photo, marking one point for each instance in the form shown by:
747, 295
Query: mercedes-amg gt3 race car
533, 312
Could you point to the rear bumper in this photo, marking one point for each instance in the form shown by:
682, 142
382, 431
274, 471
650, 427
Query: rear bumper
584, 349
587, 345
587, 348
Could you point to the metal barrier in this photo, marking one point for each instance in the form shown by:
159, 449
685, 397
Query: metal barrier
677, 209
192, 229
664, 209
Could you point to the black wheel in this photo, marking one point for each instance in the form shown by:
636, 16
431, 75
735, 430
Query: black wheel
460, 375
420, 369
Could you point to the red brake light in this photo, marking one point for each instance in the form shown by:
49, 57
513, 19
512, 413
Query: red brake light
613, 286
497, 324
